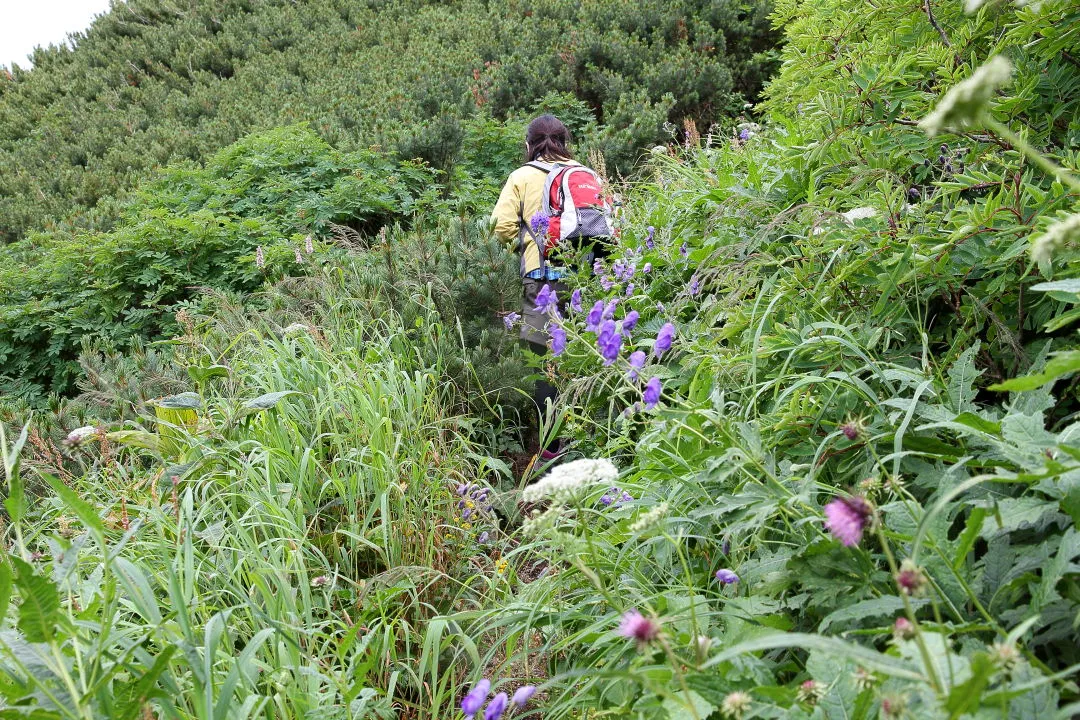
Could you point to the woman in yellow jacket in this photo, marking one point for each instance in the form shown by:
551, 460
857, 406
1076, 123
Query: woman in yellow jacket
516, 215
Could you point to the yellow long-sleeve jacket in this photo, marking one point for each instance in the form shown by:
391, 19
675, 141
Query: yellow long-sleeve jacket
521, 197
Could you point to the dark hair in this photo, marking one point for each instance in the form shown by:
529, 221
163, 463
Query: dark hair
547, 137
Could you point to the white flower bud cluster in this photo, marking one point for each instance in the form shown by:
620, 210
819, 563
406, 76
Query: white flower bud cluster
649, 519
564, 480
966, 101
1060, 234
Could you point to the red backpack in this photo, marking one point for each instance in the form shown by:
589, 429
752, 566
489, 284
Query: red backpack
574, 200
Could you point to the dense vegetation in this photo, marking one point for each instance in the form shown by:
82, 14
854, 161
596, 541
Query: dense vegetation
827, 460
81, 137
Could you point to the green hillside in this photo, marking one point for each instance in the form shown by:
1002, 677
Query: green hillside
823, 452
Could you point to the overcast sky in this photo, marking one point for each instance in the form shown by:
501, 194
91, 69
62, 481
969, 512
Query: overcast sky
25, 24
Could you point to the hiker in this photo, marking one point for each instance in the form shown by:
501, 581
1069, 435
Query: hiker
542, 209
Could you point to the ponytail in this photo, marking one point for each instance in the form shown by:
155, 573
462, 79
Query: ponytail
548, 138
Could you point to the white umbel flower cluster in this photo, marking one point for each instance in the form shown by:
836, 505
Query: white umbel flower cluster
563, 480
966, 101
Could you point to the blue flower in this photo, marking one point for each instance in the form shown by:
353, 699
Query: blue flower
609, 309
558, 340
592, 320
637, 361
651, 396
630, 321
547, 301
495, 708
539, 223
575, 300
664, 339
629, 289
726, 576
472, 702
510, 319
521, 697
695, 286
609, 341
684, 250
649, 239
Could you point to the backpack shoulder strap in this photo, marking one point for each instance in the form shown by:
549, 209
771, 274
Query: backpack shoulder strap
539, 165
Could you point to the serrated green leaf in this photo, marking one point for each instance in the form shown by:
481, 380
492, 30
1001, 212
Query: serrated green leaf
679, 707
965, 697
1059, 364
886, 606
39, 610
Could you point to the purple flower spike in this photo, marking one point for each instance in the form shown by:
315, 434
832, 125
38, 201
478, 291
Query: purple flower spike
547, 301
647, 269
597, 267
695, 285
625, 497
629, 289
472, 702
630, 321
684, 250
609, 341
846, 517
495, 708
726, 576
558, 340
510, 319
651, 396
664, 339
609, 309
523, 694
607, 283
483, 538
649, 243
575, 300
592, 320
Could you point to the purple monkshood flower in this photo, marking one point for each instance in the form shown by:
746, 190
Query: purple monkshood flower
625, 497
695, 286
684, 250
744, 134
647, 269
636, 626
472, 702
607, 499
592, 320
649, 243
575, 300
663, 339
651, 395
483, 538
609, 341
846, 517
609, 309
607, 283
558, 340
495, 708
539, 223
510, 319
629, 289
630, 321
547, 301
618, 269
725, 547
637, 361
597, 267
726, 577
521, 697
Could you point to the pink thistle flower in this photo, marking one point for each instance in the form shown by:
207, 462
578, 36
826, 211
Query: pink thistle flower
638, 627
847, 517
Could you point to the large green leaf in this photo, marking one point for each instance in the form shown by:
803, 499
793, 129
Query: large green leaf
39, 610
1062, 363
887, 606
